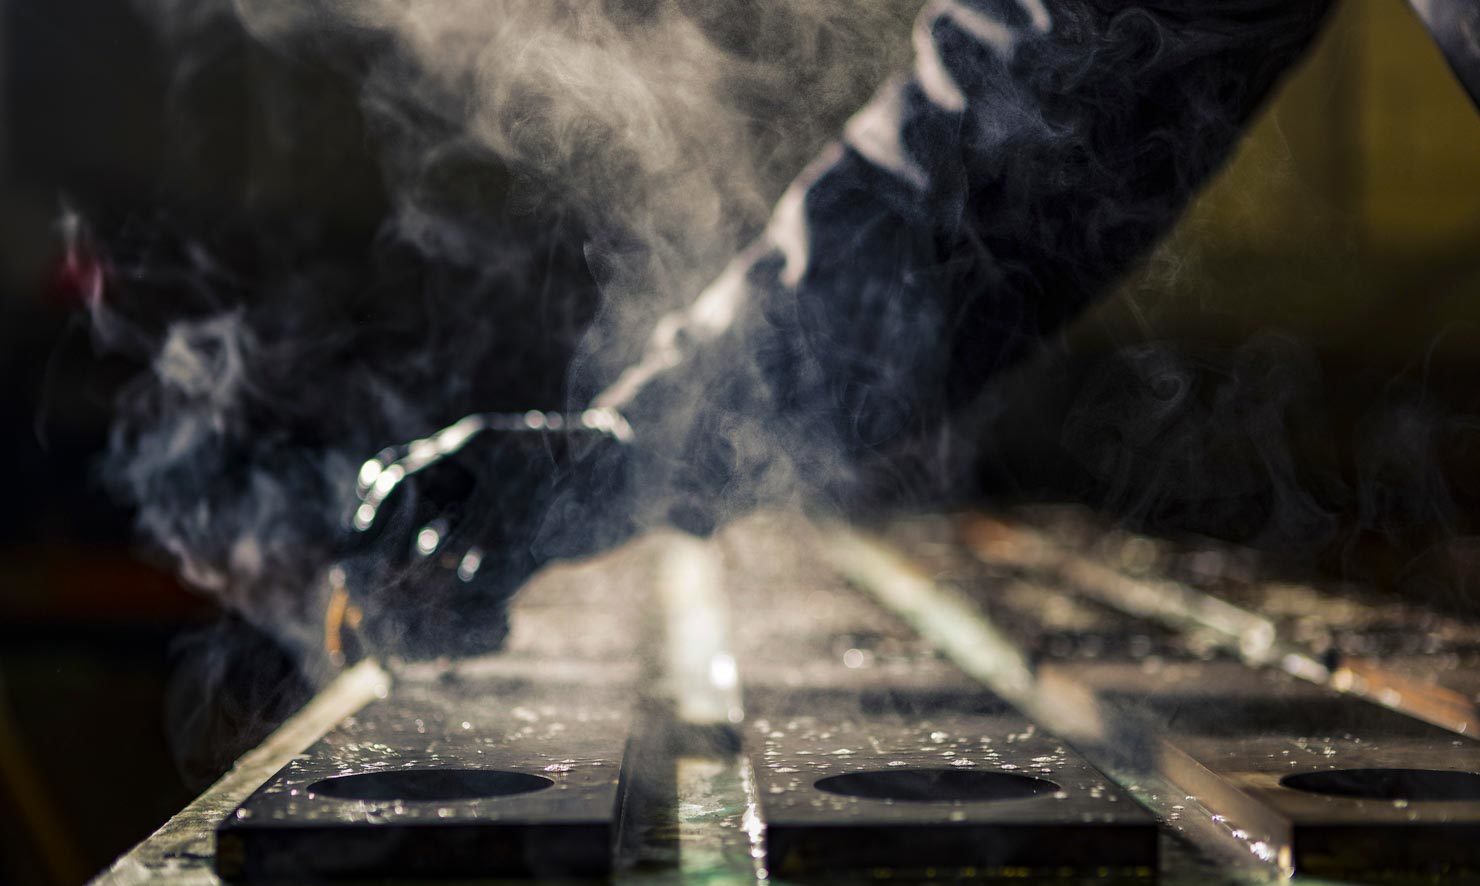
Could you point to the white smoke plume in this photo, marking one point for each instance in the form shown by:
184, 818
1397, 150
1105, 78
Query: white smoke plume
665, 129
668, 128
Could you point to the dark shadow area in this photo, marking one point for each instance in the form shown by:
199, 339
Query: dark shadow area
1414, 785
429, 785
936, 786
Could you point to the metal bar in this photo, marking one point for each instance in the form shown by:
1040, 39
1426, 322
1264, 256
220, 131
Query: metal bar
1253, 636
688, 802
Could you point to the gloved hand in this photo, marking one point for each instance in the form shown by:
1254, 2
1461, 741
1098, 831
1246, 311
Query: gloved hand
446, 528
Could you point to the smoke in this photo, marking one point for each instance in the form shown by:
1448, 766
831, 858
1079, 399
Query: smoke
528, 151
667, 129
1412, 459
1213, 441
1364, 475
211, 447
551, 177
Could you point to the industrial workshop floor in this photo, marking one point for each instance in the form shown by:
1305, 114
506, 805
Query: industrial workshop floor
1013, 696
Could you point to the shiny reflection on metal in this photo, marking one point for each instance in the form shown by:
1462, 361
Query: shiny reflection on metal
907, 781
935, 786
429, 785
1412, 785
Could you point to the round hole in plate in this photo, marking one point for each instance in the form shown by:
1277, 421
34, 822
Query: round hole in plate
1414, 785
429, 785
935, 785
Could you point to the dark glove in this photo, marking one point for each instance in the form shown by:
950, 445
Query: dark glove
446, 528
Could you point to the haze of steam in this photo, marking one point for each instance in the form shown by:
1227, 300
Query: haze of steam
667, 129
670, 127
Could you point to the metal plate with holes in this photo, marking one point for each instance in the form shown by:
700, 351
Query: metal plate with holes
933, 784
1309, 778
872, 753
444, 778
1322, 783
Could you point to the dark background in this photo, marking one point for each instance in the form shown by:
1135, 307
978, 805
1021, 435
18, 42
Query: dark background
1295, 369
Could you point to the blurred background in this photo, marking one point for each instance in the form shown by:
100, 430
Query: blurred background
1297, 368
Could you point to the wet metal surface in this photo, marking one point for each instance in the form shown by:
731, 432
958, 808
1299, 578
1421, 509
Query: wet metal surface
931, 773
509, 764
1185, 706
853, 731
456, 778
798, 624
960, 785
1315, 781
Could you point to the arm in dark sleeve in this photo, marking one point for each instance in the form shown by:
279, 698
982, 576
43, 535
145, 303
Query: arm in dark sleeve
1038, 149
